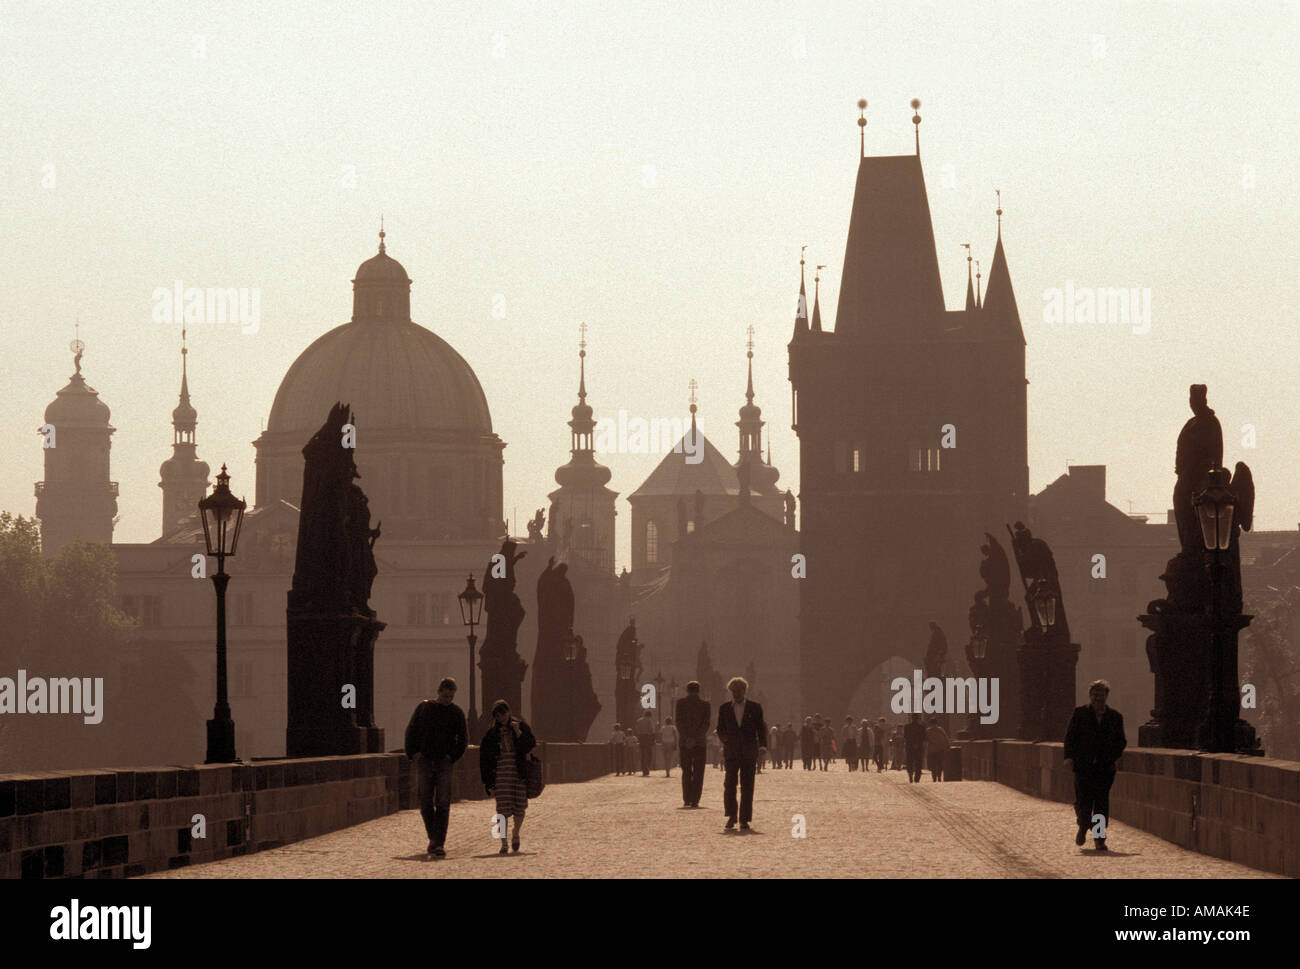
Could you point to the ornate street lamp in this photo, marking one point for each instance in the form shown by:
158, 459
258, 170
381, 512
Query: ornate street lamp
1215, 507
980, 643
223, 516
1045, 605
471, 611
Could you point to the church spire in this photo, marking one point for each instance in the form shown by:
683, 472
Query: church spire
1000, 300
978, 304
750, 467
183, 478
801, 311
817, 309
970, 285
916, 120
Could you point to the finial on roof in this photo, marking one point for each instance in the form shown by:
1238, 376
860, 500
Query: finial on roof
862, 125
817, 302
916, 120
76, 346
999, 191
749, 354
693, 387
970, 286
381, 233
582, 363
978, 304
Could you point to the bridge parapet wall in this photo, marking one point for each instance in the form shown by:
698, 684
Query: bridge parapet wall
1242, 809
120, 822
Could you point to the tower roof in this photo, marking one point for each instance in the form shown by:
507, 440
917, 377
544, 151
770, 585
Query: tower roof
999, 309
77, 404
675, 475
890, 286
801, 311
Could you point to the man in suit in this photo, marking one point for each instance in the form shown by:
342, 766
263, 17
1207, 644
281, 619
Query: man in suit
692, 733
744, 737
1093, 743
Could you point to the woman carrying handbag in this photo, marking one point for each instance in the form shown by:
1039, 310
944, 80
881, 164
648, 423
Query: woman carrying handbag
503, 766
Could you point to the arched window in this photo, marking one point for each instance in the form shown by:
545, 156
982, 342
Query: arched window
651, 543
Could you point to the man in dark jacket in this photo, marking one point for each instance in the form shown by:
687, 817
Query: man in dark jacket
436, 738
744, 735
1093, 743
914, 745
692, 715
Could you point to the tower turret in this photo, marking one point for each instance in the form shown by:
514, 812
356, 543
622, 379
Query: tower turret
183, 477
76, 502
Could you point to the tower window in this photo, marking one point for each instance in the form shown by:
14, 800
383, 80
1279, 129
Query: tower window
922, 458
415, 611
651, 543
856, 464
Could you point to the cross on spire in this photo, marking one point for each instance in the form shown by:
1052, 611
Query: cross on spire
693, 387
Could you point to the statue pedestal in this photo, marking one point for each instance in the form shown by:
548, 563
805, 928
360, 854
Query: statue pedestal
325, 654
1047, 688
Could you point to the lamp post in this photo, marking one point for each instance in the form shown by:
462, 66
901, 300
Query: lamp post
1045, 606
1215, 507
571, 645
659, 682
223, 516
471, 611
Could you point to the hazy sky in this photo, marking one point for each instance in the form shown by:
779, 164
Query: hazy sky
651, 169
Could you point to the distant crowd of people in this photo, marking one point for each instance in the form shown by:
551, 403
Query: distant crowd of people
739, 742
913, 747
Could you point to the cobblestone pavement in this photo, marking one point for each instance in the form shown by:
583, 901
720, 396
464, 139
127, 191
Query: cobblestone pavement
872, 825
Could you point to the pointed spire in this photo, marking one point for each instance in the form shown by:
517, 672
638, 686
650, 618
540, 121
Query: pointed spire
1000, 300
978, 304
916, 120
862, 125
582, 471
801, 311
693, 387
381, 233
817, 309
582, 363
970, 285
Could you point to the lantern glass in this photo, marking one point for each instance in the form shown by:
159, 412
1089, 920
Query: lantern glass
980, 646
624, 669
471, 604
1215, 508
1045, 606
571, 646
223, 517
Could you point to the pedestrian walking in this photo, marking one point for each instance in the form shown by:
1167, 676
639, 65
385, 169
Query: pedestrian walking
808, 743
866, 745
788, 738
616, 743
744, 736
693, 736
896, 749
645, 735
436, 737
936, 748
881, 738
774, 746
1094, 741
849, 743
668, 741
914, 748
503, 766
715, 746
825, 744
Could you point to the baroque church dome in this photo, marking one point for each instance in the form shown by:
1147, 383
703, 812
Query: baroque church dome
396, 374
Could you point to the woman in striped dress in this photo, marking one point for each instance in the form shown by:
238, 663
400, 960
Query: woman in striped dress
503, 766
